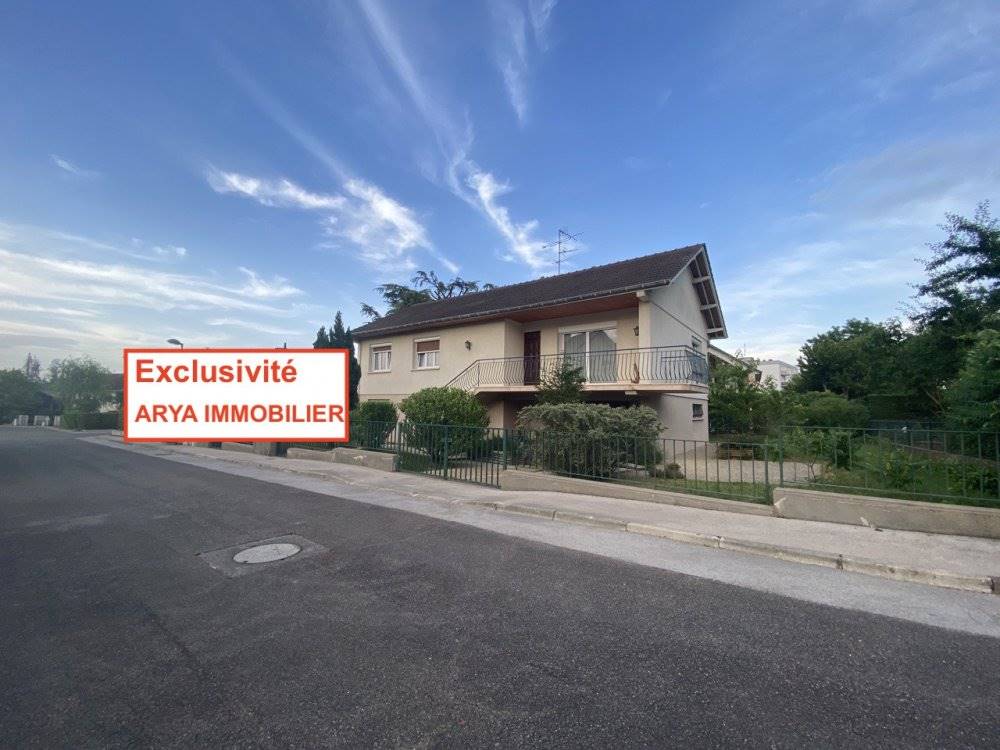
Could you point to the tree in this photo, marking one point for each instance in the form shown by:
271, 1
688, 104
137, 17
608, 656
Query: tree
561, 385
973, 403
740, 405
339, 337
32, 368
19, 394
81, 384
426, 287
857, 359
968, 260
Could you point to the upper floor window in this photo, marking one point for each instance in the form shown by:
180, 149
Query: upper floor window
696, 343
697, 412
427, 354
381, 359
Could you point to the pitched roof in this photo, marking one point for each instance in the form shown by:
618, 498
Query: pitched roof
646, 272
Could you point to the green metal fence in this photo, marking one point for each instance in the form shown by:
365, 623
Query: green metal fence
950, 466
923, 464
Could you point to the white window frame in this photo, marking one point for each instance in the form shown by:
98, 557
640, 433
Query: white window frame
377, 349
436, 352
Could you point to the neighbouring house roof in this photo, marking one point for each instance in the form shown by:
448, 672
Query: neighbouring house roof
646, 272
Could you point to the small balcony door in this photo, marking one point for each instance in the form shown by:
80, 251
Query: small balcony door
593, 352
532, 357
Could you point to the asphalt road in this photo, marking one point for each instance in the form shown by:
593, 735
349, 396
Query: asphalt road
411, 631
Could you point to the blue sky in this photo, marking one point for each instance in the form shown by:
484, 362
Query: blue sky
234, 173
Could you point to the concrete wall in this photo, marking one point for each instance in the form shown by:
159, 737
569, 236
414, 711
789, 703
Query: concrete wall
545, 482
905, 515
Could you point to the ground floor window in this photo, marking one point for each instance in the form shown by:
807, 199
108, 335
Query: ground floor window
697, 412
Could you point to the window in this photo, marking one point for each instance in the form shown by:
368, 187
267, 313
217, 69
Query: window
593, 352
697, 412
427, 354
381, 359
696, 343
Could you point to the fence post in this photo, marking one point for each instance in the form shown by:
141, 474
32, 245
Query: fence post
505, 448
767, 483
781, 456
445, 467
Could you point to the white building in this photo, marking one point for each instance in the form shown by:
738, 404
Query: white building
777, 371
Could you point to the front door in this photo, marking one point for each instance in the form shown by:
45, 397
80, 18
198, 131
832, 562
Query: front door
532, 357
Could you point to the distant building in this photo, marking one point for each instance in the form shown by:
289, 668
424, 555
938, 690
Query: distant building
779, 372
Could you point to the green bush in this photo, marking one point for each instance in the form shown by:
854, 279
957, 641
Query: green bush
592, 440
813, 445
451, 406
76, 420
372, 422
822, 409
444, 421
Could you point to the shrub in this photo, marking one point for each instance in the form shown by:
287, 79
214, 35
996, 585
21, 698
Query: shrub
372, 422
829, 446
444, 421
593, 440
451, 406
77, 420
822, 409
561, 385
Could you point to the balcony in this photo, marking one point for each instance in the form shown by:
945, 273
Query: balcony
615, 369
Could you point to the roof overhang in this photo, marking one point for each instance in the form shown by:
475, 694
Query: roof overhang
708, 296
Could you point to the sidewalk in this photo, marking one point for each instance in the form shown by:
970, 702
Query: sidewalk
935, 559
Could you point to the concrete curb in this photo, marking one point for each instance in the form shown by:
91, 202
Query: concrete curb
835, 561
980, 584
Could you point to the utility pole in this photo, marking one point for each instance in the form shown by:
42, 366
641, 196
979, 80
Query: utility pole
563, 239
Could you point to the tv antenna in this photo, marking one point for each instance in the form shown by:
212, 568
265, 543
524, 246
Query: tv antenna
562, 246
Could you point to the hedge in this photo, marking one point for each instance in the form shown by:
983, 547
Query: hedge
87, 420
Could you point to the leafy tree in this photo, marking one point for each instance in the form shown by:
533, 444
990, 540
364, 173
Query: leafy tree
561, 385
740, 405
973, 403
825, 409
968, 260
339, 337
81, 384
32, 368
19, 394
854, 360
426, 287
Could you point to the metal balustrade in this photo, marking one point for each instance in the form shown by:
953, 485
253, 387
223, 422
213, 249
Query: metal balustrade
625, 367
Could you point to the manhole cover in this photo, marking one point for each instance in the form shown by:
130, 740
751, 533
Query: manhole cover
263, 553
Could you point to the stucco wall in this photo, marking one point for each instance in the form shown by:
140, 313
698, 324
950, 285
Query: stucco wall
675, 314
674, 410
488, 340
624, 320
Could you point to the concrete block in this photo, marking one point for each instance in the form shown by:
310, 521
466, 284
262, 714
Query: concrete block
57, 421
265, 449
238, 447
514, 479
904, 515
310, 455
369, 459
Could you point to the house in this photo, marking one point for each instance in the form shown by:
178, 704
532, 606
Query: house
777, 371
639, 330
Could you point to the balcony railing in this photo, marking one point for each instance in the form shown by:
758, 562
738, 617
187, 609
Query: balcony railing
625, 367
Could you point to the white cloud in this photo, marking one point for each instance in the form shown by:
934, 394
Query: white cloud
521, 242
70, 168
280, 193
253, 326
259, 288
379, 227
515, 51
478, 187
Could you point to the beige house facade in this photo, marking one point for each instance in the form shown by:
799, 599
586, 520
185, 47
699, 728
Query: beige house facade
639, 330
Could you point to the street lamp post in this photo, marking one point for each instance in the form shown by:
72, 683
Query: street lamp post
175, 342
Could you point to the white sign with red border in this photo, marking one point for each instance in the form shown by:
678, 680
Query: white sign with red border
241, 395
